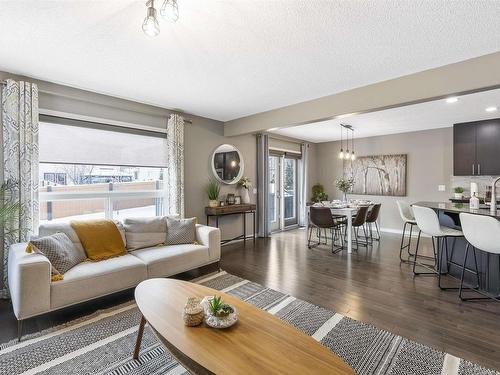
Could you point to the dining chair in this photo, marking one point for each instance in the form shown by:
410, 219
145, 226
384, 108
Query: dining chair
371, 218
321, 218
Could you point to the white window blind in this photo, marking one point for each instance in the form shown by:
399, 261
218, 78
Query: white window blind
80, 142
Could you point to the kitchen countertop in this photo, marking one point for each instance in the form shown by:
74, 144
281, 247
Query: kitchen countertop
458, 207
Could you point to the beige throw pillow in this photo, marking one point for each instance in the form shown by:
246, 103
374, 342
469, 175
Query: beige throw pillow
144, 232
181, 231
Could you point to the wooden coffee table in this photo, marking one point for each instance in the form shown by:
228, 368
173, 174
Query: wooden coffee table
259, 343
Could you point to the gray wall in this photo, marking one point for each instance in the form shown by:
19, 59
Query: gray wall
429, 164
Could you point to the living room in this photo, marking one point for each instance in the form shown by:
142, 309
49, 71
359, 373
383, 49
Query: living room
249, 187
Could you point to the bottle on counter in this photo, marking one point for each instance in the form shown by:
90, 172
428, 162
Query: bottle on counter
474, 202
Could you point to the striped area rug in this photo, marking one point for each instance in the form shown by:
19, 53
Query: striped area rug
103, 342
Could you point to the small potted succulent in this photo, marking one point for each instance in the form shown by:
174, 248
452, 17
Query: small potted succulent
459, 192
218, 314
245, 183
213, 191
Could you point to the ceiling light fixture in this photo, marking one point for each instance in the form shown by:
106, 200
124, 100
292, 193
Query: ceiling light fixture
491, 109
341, 153
170, 10
346, 155
452, 99
150, 25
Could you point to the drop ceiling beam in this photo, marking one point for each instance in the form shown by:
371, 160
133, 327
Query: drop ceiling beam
468, 76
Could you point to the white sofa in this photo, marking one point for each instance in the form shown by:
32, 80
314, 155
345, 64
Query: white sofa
33, 293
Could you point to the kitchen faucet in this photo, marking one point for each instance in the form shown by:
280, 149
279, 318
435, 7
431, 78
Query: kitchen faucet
493, 205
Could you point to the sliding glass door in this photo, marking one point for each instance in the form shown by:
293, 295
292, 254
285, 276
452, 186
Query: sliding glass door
282, 192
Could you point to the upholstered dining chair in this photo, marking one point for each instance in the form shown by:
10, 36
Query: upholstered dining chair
321, 218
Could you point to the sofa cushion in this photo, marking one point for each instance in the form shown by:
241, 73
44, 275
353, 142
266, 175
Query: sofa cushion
142, 232
88, 280
60, 250
181, 231
53, 227
100, 238
169, 260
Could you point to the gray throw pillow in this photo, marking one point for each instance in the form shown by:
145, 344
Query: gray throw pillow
60, 250
144, 232
181, 231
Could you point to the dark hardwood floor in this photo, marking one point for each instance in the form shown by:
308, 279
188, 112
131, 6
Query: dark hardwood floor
370, 285
374, 287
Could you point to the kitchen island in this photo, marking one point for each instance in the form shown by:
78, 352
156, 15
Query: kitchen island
488, 264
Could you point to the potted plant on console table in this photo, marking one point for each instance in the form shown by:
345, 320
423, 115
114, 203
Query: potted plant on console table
213, 191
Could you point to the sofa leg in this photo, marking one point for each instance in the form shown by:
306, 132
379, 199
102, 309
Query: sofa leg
19, 330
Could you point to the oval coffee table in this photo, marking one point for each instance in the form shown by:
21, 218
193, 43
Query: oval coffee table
259, 343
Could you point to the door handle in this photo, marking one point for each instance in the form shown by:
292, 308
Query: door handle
473, 169
479, 169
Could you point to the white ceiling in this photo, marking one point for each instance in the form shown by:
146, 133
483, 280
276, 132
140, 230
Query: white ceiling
230, 58
430, 115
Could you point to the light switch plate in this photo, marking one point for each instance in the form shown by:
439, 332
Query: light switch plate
441, 187
255, 190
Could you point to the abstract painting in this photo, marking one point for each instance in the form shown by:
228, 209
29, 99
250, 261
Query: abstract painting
378, 174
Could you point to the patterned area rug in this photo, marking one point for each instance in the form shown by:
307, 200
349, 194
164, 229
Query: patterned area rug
103, 342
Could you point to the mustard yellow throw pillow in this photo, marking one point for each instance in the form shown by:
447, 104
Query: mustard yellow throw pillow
100, 238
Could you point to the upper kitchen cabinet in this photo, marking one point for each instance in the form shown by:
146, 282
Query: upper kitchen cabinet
476, 148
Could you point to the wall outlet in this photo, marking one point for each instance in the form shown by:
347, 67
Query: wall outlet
441, 187
255, 190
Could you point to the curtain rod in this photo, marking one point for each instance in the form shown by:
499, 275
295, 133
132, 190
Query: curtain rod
189, 121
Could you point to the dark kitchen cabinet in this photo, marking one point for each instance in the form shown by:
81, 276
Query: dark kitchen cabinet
476, 148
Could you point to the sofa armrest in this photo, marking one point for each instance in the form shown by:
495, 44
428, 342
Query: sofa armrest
29, 281
209, 236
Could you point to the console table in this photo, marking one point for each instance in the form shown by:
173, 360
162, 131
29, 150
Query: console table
235, 209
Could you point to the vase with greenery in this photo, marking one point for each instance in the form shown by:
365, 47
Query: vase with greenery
344, 184
245, 183
459, 192
213, 191
318, 194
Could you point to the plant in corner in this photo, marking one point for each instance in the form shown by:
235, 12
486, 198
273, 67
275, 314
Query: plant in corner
246, 184
319, 194
213, 191
344, 184
459, 192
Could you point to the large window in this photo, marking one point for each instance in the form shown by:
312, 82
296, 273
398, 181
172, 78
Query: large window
91, 170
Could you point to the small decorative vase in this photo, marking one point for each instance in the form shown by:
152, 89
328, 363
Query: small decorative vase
345, 197
193, 313
213, 203
245, 197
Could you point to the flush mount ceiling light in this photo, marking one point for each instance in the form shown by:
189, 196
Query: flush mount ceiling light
169, 11
491, 109
452, 99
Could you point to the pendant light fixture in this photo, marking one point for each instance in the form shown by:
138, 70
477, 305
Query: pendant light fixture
353, 155
150, 25
341, 153
347, 154
170, 10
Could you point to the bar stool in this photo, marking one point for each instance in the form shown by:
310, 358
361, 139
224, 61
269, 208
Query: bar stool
409, 219
428, 222
372, 218
483, 234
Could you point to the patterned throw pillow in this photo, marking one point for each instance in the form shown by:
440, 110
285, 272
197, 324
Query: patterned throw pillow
181, 231
60, 250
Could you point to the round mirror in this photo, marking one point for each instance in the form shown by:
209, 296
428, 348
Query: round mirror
227, 164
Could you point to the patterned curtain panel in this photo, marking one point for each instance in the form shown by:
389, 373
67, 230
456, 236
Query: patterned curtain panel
20, 162
175, 171
303, 172
263, 185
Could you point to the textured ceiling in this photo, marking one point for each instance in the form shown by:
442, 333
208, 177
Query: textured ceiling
430, 115
227, 59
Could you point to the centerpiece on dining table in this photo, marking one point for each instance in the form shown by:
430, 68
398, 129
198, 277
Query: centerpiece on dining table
345, 185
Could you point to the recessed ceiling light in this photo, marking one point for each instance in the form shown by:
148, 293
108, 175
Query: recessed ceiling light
272, 129
491, 109
453, 99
